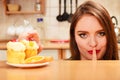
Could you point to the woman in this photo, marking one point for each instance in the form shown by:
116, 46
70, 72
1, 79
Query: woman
92, 28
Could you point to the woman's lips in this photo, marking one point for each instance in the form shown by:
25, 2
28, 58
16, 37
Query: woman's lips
91, 51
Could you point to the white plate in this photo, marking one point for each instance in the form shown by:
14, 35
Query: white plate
28, 65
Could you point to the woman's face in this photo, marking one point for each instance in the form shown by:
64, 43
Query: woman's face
89, 34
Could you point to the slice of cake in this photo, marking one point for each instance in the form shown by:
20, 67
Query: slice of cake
15, 52
31, 48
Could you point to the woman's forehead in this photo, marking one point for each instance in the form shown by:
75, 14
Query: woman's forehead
88, 22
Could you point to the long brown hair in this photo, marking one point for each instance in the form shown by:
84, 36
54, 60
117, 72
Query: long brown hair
97, 10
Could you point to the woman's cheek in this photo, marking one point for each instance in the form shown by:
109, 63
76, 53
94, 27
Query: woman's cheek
102, 41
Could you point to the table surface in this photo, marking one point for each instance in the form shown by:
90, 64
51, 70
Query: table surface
64, 70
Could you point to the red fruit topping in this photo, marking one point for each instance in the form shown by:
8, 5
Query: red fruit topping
14, 40
31, 39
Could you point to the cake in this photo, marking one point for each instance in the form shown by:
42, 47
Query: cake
25, 52
15, 52
31, 48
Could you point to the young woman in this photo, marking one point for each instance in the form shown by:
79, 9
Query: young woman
92, 29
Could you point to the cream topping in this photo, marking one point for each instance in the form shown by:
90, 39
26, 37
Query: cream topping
17, 46
30, 44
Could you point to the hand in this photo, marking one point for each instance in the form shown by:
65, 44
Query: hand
31, 36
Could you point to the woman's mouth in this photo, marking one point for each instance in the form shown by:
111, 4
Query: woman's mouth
91, 51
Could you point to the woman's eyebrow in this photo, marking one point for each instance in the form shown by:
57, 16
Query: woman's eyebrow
100, 30
81, 31
87, 31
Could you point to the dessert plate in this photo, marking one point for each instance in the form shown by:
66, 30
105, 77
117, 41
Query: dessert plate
28, 65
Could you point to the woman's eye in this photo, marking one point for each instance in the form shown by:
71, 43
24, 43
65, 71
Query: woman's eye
83, 35
100, 34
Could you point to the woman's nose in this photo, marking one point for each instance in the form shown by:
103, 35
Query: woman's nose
92, 42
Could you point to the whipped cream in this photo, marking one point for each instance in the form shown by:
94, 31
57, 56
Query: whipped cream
30, 44
17, 46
